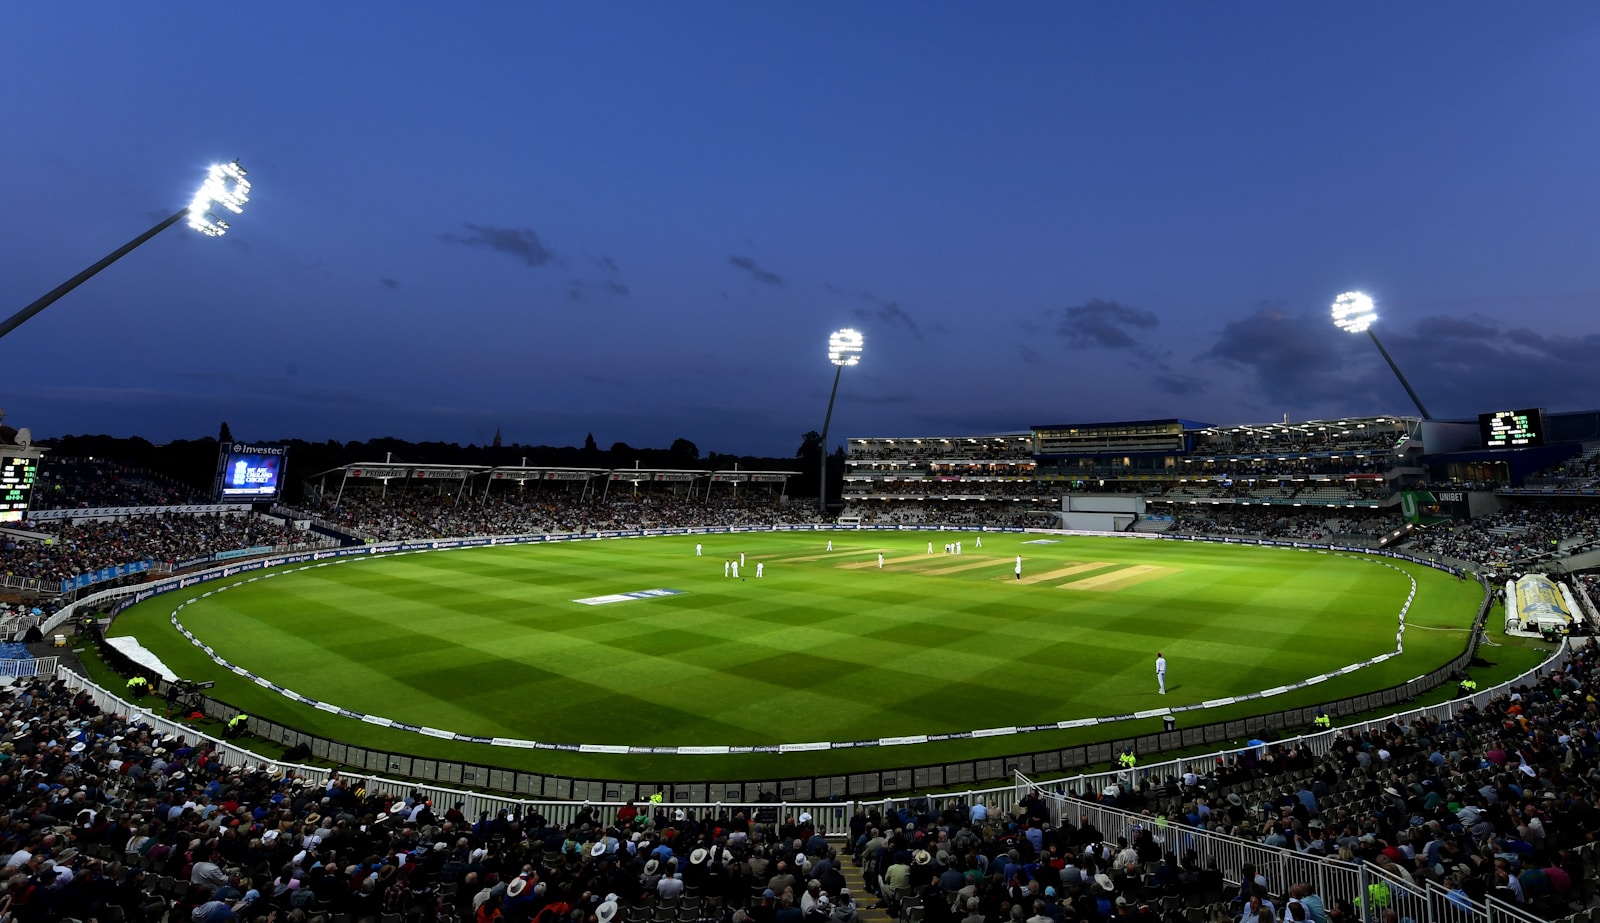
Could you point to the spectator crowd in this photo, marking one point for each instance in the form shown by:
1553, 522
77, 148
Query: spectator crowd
105, 819
61, 548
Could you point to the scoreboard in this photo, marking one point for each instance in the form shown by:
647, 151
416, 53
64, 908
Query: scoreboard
17, 474
1507, 429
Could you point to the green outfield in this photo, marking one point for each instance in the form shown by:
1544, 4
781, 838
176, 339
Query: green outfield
826, 646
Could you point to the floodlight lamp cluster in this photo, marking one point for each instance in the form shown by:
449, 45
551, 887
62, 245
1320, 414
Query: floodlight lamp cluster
1353, 312
226, 186
844, 347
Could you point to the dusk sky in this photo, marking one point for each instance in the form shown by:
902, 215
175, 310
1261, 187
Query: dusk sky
642, 220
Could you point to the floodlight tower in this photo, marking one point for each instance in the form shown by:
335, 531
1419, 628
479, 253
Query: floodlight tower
225, 185
844, 348
1353, 312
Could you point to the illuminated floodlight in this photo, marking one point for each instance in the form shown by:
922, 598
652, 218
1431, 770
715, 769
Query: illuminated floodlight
226, 186
1353, 312
844, 347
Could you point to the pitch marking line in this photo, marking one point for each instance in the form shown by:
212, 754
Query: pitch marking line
1029, 579
874, 562
987, 561
823, 557
1121, 579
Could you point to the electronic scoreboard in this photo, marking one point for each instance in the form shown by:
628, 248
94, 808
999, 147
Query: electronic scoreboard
17, 474
1507, 429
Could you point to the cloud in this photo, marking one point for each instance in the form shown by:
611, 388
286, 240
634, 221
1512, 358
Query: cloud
607, 264
1178, 384
578, 289
756, 272
1460, 365
890, 313
522, 243
1292, 358
387, 282
1105, 324
1472, 364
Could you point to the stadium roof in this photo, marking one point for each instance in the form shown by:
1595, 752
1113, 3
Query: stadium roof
1022, 434
434, 472
1308, 427
1108, 424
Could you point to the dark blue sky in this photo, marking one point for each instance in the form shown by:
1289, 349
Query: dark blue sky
642, 220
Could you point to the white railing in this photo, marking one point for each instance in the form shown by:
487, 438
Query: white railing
29, 666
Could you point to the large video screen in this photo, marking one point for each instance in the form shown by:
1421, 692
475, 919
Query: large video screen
250, 473
16, 486
1507, 429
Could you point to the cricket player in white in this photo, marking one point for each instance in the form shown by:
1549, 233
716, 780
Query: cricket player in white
761, 566
725, 564
1019, 567
958, 547
930, 547
741, 559
736, 568
1161, 672
697, 549
880, 560
830, 544
980, 541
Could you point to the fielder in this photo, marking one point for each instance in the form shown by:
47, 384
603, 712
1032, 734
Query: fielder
697, 549
760, 568
1161, 672
1019, 567
880, 560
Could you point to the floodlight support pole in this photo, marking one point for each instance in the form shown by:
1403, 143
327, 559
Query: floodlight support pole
16, 320
822, 467
1397, 373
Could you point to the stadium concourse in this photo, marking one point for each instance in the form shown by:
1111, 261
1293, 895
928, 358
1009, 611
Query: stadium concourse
105, 820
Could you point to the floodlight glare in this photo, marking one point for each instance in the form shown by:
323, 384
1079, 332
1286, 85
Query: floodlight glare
1353, 312
844, 347
226, 186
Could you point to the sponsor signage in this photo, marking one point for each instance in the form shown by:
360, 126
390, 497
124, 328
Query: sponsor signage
109, 512
377, 472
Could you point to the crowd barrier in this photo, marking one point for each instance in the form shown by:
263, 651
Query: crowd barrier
963, 774
28, 666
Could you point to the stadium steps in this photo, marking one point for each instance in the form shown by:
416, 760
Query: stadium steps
864, 898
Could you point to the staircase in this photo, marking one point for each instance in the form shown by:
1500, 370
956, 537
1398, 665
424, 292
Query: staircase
864, 899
